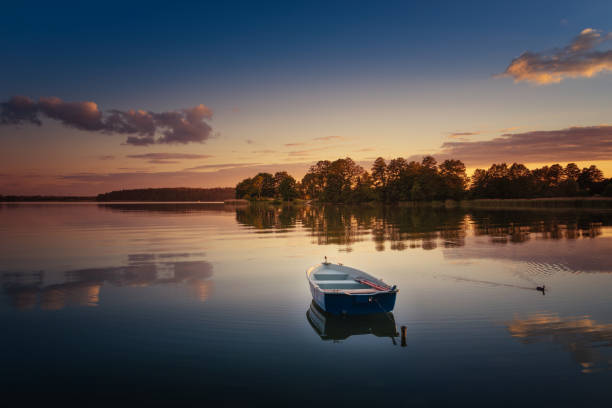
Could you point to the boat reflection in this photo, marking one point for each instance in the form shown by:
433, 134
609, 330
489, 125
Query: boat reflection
337, 328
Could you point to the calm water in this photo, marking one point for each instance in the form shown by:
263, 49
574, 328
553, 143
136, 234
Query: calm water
198, 303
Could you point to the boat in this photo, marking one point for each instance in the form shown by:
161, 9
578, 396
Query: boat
341, 290
338, 328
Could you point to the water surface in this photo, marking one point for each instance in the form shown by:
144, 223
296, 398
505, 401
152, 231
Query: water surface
199, 303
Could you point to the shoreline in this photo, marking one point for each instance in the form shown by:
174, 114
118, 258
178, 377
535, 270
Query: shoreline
490, 203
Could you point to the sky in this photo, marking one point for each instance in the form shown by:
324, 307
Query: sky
103, 96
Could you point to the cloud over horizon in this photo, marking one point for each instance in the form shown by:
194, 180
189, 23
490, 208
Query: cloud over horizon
168, 156
576, 60
142, 127
571, 144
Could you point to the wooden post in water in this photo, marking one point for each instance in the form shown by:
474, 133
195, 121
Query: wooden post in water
404, 330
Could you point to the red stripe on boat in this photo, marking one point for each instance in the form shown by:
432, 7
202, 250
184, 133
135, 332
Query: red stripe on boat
372, 284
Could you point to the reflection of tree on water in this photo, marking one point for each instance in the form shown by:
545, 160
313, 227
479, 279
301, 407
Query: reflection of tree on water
82, 287
337, 328
422, 227
263, 217
587, 341
518, 226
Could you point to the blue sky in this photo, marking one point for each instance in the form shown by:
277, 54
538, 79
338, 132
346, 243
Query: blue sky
388, 78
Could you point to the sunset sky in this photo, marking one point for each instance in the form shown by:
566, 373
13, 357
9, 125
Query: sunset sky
104, 96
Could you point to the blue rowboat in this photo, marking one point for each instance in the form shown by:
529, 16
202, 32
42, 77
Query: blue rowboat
340, 290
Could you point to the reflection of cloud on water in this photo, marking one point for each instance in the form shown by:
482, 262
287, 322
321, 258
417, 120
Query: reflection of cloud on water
589, 342
82, 287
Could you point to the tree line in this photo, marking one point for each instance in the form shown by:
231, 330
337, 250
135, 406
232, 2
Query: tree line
344, 181
169, 194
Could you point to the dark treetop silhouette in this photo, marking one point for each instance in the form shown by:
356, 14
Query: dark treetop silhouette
399, 180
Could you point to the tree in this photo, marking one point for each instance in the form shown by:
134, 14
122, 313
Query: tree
287, 188
379, 178
243, 189
478, 183
589, 177
429, 162
364, 190
454, 179
572, 172
556, 175
258, 183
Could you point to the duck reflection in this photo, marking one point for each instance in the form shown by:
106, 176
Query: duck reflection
82, 287
337, 328
588, 342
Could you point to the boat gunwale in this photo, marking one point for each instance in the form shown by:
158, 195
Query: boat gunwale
348, 292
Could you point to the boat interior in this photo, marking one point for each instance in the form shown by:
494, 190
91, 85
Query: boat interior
340, 278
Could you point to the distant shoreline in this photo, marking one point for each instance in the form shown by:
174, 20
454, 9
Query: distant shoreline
503, 203
170, 194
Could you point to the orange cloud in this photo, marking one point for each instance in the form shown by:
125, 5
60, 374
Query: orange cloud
461, 135
578, 59
509, 129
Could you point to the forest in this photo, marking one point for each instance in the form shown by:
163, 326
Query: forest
344, 181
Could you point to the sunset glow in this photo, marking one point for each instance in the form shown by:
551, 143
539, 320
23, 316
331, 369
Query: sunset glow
197, 107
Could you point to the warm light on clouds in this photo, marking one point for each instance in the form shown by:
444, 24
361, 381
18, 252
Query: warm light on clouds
174, 127
571, 144
576, 60
461, 135
220, 166
152, 157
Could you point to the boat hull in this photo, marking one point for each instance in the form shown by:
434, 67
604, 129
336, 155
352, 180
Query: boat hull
339, 303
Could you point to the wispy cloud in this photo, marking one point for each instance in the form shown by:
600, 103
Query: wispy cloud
461, 135
161, 161
578, 59
168, 156
307, 152
143, 127
105, 157
315, 139
221, 166
509, 129
571, 144
264, 151
328, 138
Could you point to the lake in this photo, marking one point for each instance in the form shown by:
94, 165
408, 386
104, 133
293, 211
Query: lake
189, 304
